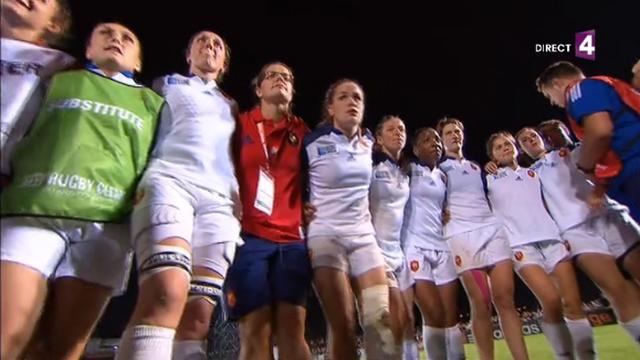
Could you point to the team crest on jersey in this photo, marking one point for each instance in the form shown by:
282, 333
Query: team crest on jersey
325, 150
531, 173
563, 152
231, 298
414, 265
292, 138
458, 260
519, 255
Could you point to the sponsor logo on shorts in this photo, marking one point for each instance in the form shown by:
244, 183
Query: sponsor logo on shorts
414, 265
292, 138
518, 255
531, 173
231, 299
458, 260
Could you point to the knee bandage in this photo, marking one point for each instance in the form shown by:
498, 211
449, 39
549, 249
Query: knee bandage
164, 257
208, 288
375, 317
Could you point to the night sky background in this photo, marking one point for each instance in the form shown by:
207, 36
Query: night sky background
416, 59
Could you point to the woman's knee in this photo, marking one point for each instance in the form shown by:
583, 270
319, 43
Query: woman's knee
164, 292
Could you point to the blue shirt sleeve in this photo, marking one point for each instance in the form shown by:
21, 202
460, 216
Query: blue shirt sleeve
591, 96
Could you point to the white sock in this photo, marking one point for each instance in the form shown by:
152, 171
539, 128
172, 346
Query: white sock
559, 337
633, 328
582, 334
189, 350
145, 342
435, 343
455, 343
410, 350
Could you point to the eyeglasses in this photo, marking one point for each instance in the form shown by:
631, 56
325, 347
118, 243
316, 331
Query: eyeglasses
270, 75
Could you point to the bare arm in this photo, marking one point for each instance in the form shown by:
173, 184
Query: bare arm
598, 130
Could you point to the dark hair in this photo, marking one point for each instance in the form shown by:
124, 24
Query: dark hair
328, 99
554, 123
62, 18
227, 54
446, 120
383, 121
259, 78
419, 133
557, 70
517, 136
404, 161
494, 136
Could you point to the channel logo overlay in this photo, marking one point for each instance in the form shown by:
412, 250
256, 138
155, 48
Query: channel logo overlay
584, 46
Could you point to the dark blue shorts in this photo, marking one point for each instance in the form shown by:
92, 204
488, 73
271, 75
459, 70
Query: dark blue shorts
627, 191
263, 273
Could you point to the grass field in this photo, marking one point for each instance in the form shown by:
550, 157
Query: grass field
612, 343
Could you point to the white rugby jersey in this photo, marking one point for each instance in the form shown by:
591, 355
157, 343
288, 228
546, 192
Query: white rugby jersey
516, 199
565, 188
422, 225
466, 198
388, 195
195, 135
24, 66
339, 172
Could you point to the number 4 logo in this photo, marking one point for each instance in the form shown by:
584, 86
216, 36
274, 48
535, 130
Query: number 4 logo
586, 45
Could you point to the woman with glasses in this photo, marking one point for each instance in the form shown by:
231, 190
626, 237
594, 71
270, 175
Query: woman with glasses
185, 224
268, 283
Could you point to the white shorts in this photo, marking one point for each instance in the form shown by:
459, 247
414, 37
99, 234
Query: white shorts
431, 265
546, 254
620, 231
586, 238
400, 278
99, 253
167, 207
354, 255
495, 248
